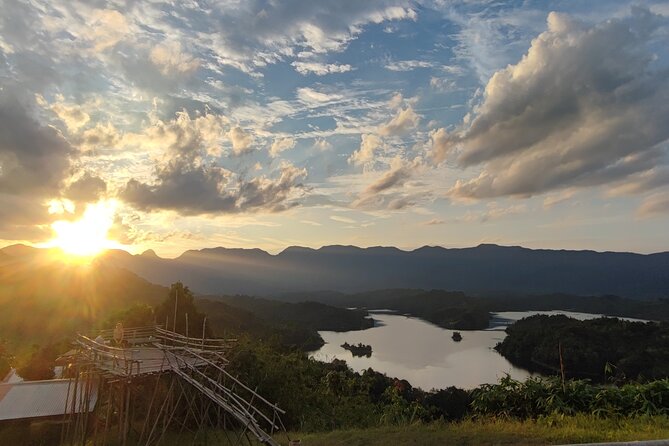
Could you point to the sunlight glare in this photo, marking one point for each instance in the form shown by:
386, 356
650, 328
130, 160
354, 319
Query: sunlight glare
87, 236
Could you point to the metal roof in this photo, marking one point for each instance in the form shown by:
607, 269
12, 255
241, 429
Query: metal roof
34, 399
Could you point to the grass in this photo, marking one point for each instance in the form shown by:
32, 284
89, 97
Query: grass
548, 430
552, 430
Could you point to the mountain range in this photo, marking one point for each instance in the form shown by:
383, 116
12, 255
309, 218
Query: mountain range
484, 269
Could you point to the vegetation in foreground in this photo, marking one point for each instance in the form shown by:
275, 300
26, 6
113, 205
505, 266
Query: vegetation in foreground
495, 431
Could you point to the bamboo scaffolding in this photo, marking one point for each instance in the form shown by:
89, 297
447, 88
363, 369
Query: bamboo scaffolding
197, 387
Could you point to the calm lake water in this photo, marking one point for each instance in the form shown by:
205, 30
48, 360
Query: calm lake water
425, 355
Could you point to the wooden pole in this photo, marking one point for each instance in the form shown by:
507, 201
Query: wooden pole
561, 367
204, 325
176, 302
186, 324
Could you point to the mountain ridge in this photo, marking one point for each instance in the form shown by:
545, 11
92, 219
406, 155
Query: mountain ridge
483, 269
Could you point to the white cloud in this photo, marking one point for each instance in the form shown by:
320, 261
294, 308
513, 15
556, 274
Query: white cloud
583, 107
107, 28
280, 145
405, 120
320, 69
408, 65
241, 140
312, 97
369, 144
171, 60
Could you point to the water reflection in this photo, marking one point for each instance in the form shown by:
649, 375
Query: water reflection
423, 354
426, 356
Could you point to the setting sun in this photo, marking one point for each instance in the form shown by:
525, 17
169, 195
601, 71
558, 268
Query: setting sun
87, 236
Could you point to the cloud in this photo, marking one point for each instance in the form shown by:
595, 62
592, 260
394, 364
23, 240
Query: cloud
369, 144
184, 135
585, 106
386, 191
34, 159
108, 27
560, 197
241, 141
443, 84
399, 172
320, 69
73, 116
653, 178
280, 145
34, 162
100, 136
341, 219
262, 33
408, 65
405, 120
196, 189
312, 97
654, 205
434, 222
87, 188
171, 60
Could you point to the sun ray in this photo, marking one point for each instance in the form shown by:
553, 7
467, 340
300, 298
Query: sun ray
88, 236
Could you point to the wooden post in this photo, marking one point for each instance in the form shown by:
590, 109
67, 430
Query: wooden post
176, 302
561, 367
204, 325
186, 324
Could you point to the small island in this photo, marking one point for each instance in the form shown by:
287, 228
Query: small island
457, 337
358, 350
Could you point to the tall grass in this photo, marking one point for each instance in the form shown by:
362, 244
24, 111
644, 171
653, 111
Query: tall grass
538, 397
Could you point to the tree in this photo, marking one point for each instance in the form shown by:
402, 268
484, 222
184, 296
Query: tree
40, 365
181, 297
138, 315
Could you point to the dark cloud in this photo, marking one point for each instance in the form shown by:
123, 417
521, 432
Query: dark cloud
395, 176
88, 188
384, 194
34, 159
193, 189
585, 106
23, 218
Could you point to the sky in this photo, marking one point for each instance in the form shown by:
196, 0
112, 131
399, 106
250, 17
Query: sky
316, 122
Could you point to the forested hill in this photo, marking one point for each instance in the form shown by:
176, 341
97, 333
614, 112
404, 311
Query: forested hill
481, 269
42, 298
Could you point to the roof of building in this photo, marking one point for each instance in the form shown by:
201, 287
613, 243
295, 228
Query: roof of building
35, 399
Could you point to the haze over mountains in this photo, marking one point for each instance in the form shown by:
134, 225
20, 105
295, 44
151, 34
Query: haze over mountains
481, 269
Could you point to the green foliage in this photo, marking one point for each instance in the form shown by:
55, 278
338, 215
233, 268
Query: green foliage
596, 348
181, 297
538, 397
312, 315
227, 320
138, 315
40, 365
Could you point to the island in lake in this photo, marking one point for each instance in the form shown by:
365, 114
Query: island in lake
358, 350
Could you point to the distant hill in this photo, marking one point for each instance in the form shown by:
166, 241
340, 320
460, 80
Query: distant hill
43, 299
483, 269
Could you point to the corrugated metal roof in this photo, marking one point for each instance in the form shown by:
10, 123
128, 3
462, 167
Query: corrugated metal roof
33, 399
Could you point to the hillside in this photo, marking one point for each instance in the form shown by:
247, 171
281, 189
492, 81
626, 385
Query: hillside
485, 269
42, 298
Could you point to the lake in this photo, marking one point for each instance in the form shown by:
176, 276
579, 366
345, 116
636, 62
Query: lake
425, 355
